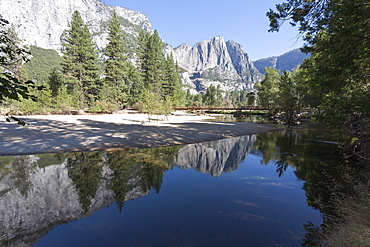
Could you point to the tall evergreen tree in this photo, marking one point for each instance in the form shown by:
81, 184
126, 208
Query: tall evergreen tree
15, 59
172, 85
116, 65
55, 80
151, 60
135, 84
80, 61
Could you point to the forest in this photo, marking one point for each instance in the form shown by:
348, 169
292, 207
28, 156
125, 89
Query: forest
333, 82
100, 81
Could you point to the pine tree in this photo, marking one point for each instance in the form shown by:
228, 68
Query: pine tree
116, 65
80, 62
135, 84
172, 85
151, 61
55, 80
13, 56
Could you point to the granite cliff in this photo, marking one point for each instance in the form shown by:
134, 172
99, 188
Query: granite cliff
218, 62
43, 22
215, 61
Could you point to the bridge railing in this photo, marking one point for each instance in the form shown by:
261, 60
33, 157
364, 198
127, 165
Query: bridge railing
224, 108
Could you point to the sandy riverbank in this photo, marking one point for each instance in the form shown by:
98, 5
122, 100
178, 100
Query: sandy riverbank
67, 133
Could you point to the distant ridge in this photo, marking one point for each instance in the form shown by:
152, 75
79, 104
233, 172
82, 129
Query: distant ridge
287, 61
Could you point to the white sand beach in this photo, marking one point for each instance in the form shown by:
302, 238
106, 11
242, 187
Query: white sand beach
69, 133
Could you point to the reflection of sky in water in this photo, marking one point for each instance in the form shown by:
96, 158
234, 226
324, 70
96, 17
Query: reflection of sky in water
250, 206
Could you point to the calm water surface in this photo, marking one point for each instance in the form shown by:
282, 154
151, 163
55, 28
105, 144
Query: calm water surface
254, 190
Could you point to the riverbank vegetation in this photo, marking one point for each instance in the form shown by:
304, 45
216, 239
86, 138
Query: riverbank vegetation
335, 82
87, 79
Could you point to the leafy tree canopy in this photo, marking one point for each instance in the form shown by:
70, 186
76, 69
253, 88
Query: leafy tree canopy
10, 85
337, 32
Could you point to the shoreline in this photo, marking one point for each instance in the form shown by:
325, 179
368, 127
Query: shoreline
73, 133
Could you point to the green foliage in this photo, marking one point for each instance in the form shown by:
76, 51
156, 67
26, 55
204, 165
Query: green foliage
135, 85
242, 98
43, 104
198, 100
150, 103
116, 66
11, 54
213, 96
172, 84
268, 89
55, 81
11, 58
80, 63
151, 60
159, 73
102, 107
12, 88
42, 63
85, 171
189, 98
337, 35
288, 100
310, 16
147, 164
73, 81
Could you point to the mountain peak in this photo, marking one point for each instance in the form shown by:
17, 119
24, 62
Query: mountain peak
214, 61
43, 22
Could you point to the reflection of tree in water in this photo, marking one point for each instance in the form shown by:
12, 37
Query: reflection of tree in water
85, 171
328, 179
148, 165
277, 147
20, 169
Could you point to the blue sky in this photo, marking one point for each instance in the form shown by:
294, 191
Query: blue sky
191, 21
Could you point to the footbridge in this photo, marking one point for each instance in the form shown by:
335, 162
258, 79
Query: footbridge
219, 108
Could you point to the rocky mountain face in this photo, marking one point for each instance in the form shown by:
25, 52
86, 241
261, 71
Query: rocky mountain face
43, 22
287, 61
215, 157
218, 62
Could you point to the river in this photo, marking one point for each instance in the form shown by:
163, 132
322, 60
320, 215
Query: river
257, 190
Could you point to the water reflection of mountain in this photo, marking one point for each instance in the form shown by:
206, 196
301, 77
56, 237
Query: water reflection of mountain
51, 200
38, 193
217, 156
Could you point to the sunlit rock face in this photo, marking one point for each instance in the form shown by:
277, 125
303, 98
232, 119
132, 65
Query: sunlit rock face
215, 157
216, 62
43, 22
